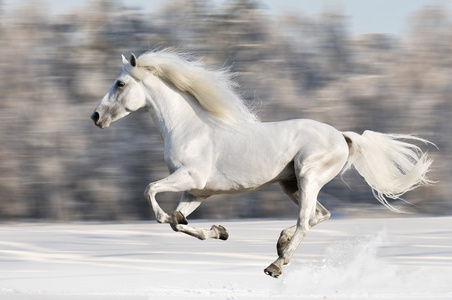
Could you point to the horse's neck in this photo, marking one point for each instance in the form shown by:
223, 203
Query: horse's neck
172, 109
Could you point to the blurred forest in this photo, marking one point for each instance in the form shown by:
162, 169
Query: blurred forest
56, 165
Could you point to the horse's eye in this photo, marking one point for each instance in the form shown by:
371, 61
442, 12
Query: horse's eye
120, 84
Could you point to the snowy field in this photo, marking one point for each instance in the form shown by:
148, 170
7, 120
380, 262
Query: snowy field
405, 258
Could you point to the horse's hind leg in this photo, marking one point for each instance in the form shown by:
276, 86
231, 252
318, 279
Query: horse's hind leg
307, 208
179, 222
321, 214
312, 172
286, 235
290, 188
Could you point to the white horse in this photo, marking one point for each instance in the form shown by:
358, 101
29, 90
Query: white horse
215, 145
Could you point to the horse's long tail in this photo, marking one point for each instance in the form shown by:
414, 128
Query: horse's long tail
390, 166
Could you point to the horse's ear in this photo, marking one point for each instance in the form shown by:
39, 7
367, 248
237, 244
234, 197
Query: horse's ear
133, 60
124, 60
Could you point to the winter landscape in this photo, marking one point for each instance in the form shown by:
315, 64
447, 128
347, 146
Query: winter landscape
392, 258
73, 220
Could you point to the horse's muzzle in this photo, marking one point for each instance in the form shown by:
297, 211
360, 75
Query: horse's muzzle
96, 118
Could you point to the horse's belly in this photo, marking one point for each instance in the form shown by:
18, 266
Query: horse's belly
245, 178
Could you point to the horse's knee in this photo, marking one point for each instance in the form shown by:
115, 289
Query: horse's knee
148, 191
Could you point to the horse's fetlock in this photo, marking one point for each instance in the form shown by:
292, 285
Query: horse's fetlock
163, 217
174, 227
282, 244
178, 218
202, 236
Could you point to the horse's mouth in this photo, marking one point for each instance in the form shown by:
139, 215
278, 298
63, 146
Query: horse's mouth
102, 125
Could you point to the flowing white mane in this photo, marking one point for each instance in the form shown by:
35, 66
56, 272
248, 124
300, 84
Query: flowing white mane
214, 90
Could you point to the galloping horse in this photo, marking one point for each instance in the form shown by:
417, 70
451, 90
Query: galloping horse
214, 144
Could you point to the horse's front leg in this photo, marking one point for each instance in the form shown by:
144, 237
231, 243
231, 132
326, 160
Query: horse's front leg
179, 181
160, 215
179, 221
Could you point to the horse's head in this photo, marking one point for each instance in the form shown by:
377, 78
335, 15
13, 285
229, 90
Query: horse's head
124, 96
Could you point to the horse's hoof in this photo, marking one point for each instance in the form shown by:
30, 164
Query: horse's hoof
273, 271
222, 233
178, 218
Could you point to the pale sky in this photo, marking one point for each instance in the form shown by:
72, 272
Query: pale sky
364, 16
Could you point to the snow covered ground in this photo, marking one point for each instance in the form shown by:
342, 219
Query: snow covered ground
404, 258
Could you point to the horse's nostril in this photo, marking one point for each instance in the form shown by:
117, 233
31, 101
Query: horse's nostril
95, 117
